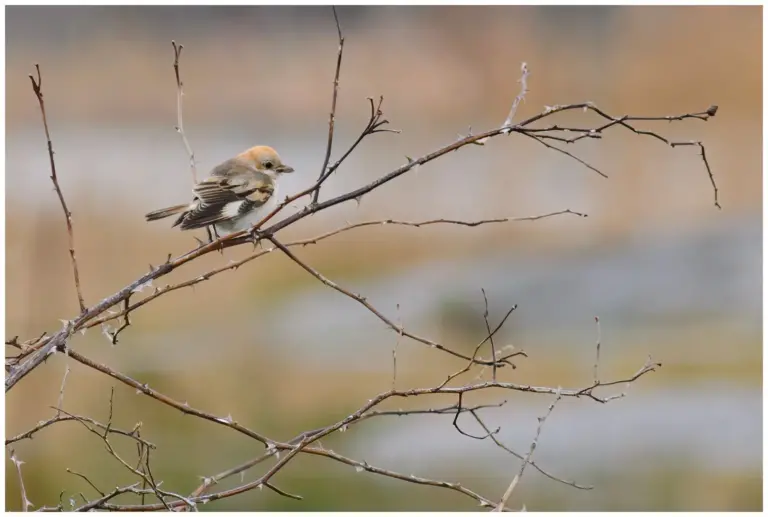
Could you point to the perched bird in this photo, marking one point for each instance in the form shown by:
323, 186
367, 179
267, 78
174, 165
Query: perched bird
238, 193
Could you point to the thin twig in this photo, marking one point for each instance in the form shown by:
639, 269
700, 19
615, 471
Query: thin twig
83, 476
706, 163
97, 503
126, 320
181, 406
364, 302
282, 492
59, 418
524, 72
539, 139
527, 459
460, 409
61, 390
332, 117
649, 366
394, 349
26, 504
597, 351
180, 121
521, 457
490, 334
37, 88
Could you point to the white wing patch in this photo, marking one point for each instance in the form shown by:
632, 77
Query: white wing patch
232, 210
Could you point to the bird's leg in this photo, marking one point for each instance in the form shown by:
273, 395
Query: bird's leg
216, 234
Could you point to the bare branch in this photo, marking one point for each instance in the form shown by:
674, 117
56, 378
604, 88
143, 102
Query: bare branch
37, 86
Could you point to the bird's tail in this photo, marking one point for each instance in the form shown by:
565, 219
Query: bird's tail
166, 212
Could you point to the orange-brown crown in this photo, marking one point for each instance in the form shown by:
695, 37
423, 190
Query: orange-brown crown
265, 158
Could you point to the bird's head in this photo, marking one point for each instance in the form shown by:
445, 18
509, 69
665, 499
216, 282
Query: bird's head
265, 159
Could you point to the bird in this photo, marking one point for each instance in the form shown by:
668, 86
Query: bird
237, 194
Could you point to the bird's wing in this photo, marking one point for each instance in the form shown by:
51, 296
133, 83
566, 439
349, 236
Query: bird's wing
221, 198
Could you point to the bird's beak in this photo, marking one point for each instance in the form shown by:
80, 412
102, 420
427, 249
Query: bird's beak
284, 168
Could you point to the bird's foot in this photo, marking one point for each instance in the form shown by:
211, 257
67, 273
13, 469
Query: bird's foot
256, 236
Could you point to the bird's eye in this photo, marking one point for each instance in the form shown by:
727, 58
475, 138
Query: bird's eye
267, 165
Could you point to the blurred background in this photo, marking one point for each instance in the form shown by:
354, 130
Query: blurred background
667, 273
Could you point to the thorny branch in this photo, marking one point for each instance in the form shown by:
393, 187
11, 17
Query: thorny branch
58, 340
33, 352
367, 411
302, 445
